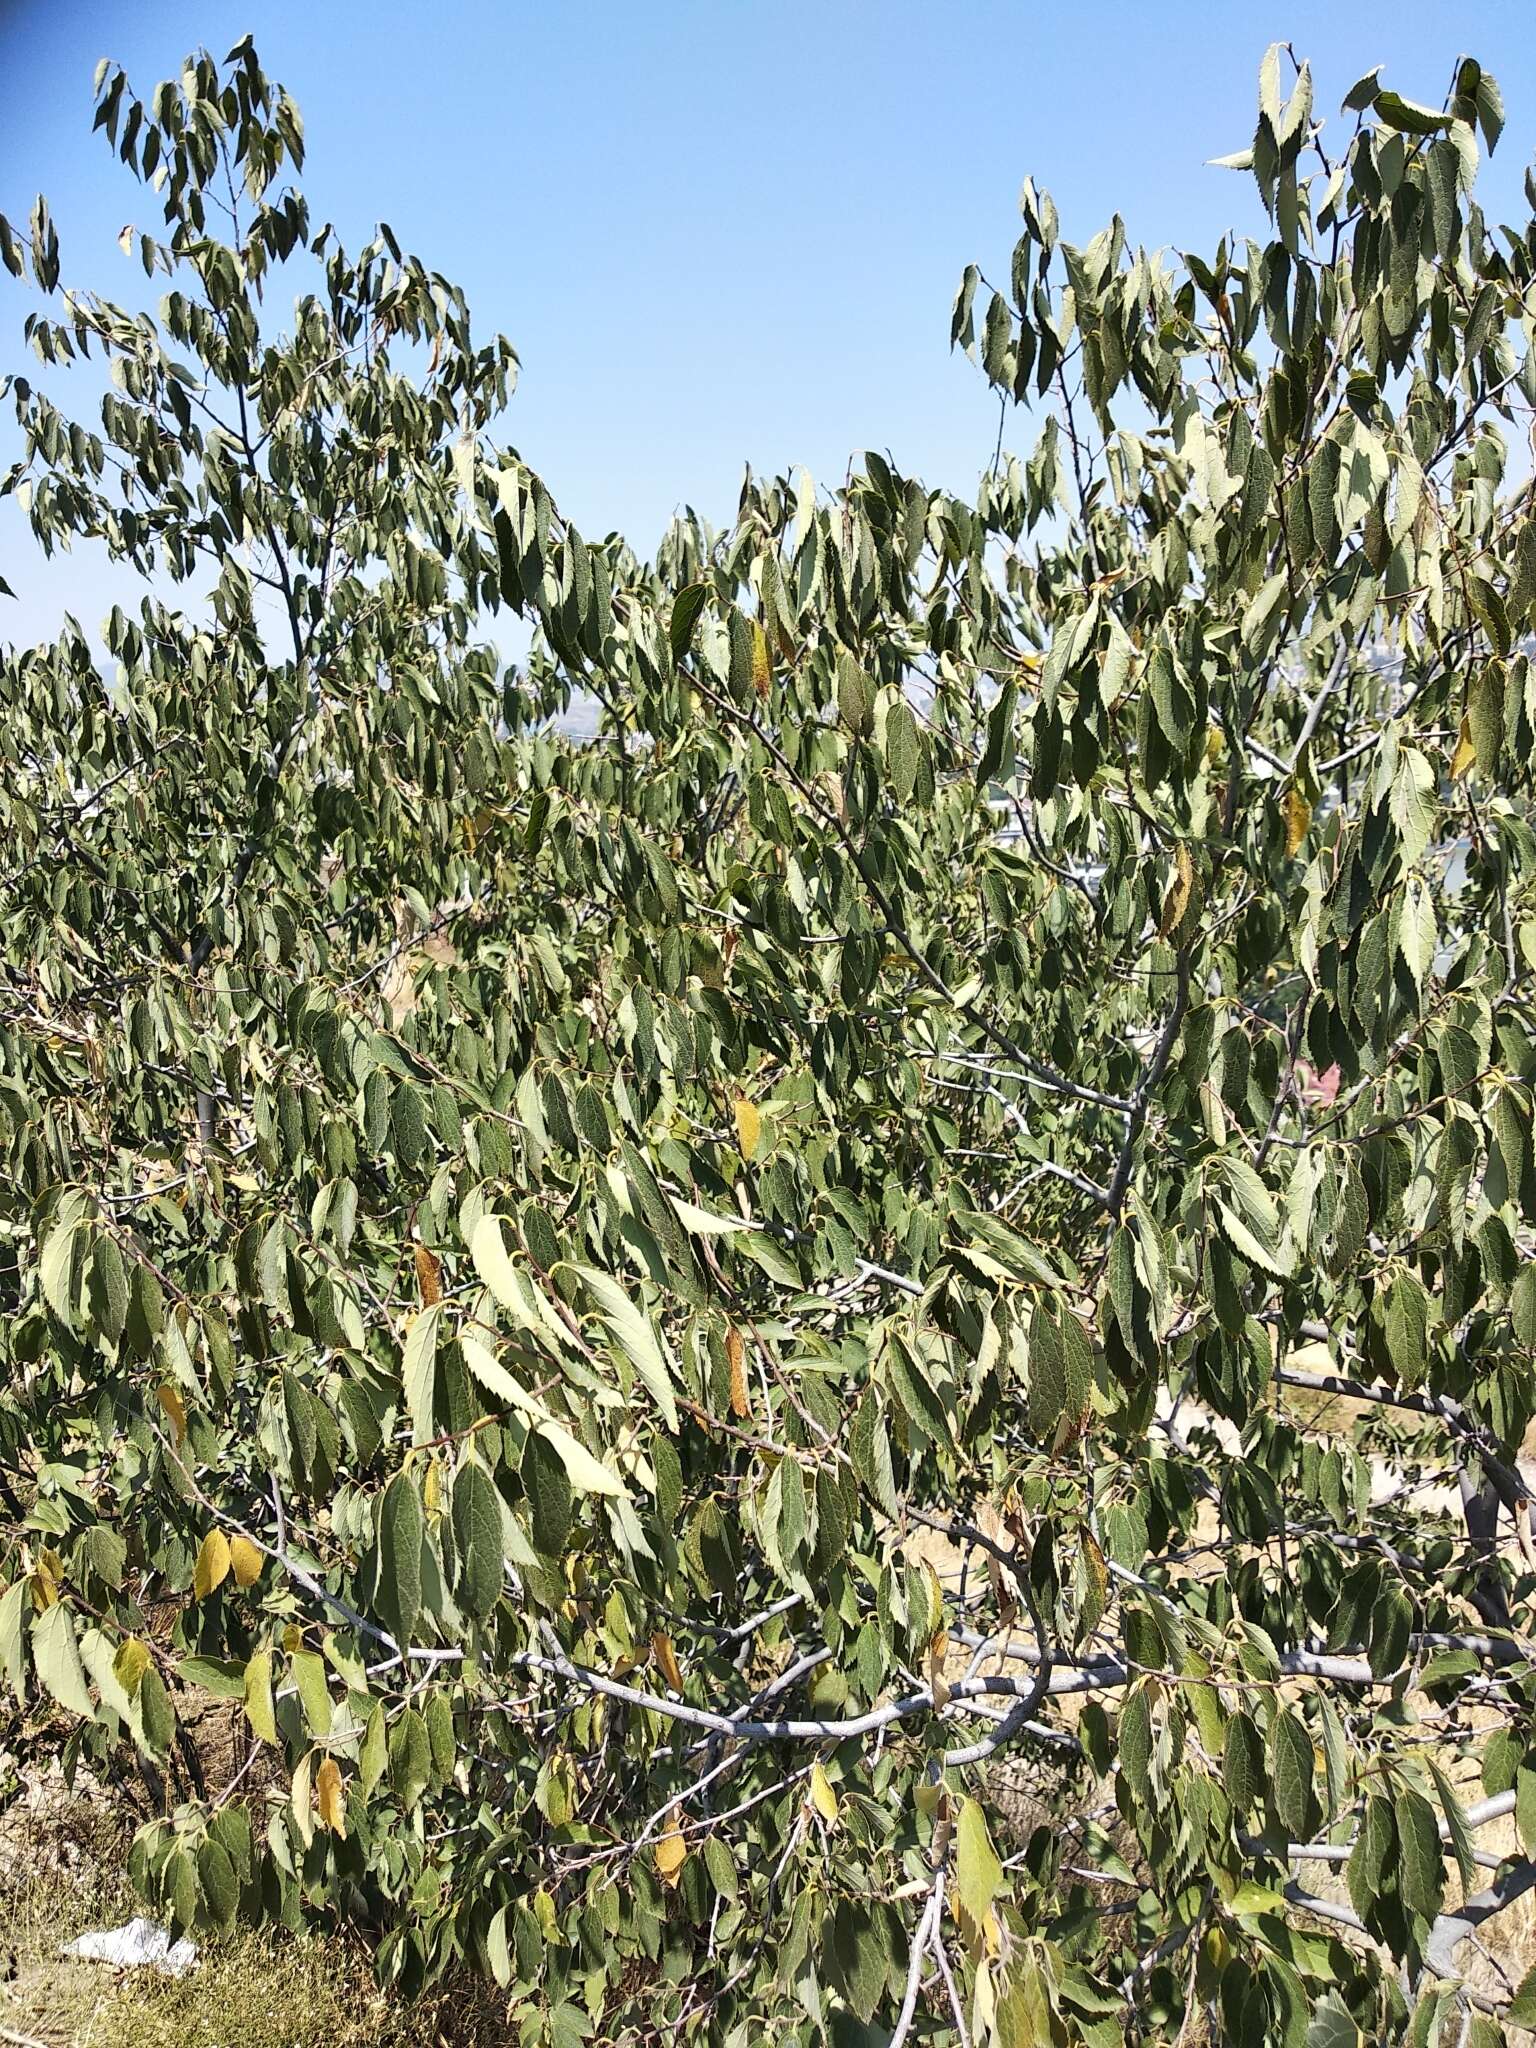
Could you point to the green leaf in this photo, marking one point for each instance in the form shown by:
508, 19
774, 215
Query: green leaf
107, 1288
1135, 1743
13, 1640
477, 1539
308, 1669
57, 1266
1421, 1876
1522, 2007
1242, 1764
1332, 2025
586, 1472
1371, 1856
903, 749
221, 1888
1408, 116
224, 1677
410, 1757
703, 1223
855, 695
488, 1249
1456, 1827
56, 1660
418, 1372
1407, 1323
548, 1491
1412, 802
632, 1333
1522, 1306
401, 1528
1291, 1770
156, 1713
686, 606
1251, 1898
987, 1238
721, 1865
373, 1756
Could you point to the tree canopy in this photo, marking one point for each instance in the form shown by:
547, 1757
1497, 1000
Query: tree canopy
783, 1362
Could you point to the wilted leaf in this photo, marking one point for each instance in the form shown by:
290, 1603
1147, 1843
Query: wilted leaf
666, 1660
735, 1354
330, 1800
429, 1282
1298, 817
1180, 890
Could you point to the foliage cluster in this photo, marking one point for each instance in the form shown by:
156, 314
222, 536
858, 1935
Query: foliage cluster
670, 1315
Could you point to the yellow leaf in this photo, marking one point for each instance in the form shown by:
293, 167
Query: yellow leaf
978, 1873
170, 1400
212, 1567
749, 1126
259, 1710
303, 1817
432, 1489
735, 1353
245, 1560
46, 1580
671, 1855
762, 667
130, 1664
429, 1281
330, 1802
293, 1638
666, 1660
823, 1798
1465, 756
1298, 816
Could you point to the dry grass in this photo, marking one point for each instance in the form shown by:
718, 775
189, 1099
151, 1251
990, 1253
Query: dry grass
61, 1873
250, 1990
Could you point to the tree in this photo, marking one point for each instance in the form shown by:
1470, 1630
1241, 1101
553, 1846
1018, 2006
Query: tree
754, 1351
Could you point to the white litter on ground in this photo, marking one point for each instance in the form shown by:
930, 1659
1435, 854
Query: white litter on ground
140, 1944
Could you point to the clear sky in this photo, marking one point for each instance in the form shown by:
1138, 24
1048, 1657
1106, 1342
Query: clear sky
718, 232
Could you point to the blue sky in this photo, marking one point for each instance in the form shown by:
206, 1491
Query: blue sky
717, 232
